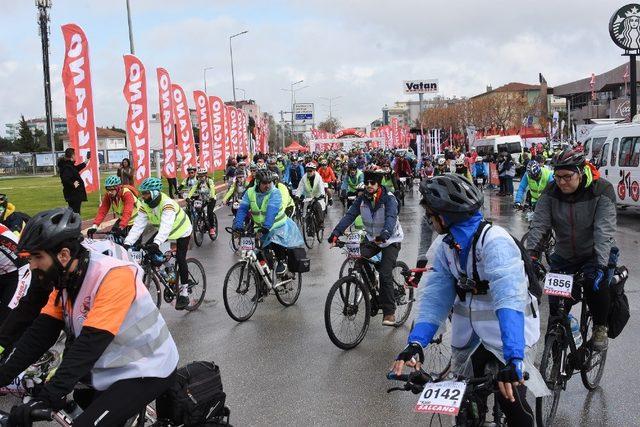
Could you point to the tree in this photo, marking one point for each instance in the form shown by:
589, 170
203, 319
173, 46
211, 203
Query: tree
6, 145
331, 125
117, 129
26, 143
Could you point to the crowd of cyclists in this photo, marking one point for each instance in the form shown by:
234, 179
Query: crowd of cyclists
94, 292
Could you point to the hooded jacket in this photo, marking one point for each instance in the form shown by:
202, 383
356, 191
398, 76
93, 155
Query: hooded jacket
70, 173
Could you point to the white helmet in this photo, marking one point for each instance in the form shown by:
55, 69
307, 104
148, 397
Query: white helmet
310, 165
460, 161
441, 161
478, 159
202, 171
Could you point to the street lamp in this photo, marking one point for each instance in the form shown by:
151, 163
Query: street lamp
204, 73
293, 98
244, 92
331, 99
133, 52
233, 79
43, 23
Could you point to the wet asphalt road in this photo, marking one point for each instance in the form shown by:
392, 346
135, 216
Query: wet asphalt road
280, 368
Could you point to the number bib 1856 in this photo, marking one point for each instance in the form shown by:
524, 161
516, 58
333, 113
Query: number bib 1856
443, 397
559, 285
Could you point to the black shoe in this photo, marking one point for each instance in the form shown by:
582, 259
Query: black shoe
182, 302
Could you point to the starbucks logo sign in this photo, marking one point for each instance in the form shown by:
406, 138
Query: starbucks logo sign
624, 27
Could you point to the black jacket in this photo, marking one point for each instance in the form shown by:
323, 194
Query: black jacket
70, 173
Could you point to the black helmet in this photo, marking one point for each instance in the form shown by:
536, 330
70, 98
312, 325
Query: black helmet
47, 230
263, 175
452, 196
568, 158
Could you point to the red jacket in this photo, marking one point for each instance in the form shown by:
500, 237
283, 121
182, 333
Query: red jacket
327, 174
125, 197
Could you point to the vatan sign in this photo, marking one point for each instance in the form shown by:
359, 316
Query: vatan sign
421, 86
303, 113
624, 27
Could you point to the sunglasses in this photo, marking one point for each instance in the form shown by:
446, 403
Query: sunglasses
110, 188
370, 182
565, 178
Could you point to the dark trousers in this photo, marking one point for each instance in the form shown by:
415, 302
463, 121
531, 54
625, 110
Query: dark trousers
173, 186
182, 246
598, 301
75, 205
508, 185
389, 256
518, 413
124, 399
8, 283
211, 204
502, 185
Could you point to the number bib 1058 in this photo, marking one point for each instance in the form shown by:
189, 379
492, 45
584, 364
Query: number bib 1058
443, 397
559, 285
247, 243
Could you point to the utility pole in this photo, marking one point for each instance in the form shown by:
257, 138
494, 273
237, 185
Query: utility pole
331, 99
131, 48
43, 23
233, 78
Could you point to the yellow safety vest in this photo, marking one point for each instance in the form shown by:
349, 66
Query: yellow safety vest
259, 212
117, 208
180, 225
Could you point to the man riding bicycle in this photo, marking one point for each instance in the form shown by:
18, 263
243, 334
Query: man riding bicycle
351, 181
328, 177
190, 180
535, 180
122, 202
494, 317
172, 223
580, 208
206, 185
379, 211
276, 230
311, 186
119, 343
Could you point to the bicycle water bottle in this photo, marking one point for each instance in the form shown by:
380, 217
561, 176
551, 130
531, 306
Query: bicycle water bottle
265, 267
612, 263
575, 330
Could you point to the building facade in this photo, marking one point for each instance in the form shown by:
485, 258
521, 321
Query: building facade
12, 130
107, 140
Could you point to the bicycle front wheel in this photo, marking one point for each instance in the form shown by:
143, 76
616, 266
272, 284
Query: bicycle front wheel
153, 285
196, 223
403, 295
347, 265
346, 312
309, 231
550, 368
288, 293
214, 225
593, 368
197, 284
240, 291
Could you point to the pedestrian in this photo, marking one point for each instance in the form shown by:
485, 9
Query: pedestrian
173, 187
125, 172
72, 184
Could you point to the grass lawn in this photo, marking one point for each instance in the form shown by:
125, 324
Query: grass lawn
37, 193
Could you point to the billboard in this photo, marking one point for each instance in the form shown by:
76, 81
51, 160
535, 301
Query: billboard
303, 113
421, 86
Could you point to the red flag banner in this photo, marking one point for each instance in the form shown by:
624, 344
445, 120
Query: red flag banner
204, 120
218, 113
227, 132
233, 129
186, 142
135, 93
76, 78
166, 123
244, 133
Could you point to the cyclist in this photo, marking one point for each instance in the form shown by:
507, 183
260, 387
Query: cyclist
276, 230
190, 180
11, 271
352, 179
311, 186
237, 189
479, 172
493, 318
535, 180
205, 184
442, 167
379, 211
401, 167
580, 208
120, 345
160, 211
14, 221
329, 177
462, 169
122, 201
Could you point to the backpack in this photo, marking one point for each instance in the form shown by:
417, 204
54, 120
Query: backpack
133, 189
196, 398
619, 312
535, 288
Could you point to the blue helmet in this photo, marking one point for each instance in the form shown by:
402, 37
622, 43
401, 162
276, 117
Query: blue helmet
112, 181
534, 170
151, 184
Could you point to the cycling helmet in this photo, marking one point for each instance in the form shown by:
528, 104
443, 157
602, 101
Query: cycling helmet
112, 181
241, 164
263, 175
271, 160
275, 176
323, 162
353, 165
568, 158
151, 184
240, 174
202, 171
371, 174
534, 170
478, 159
460, 161
46, 230
191, 169
253, 166
310, 165
441, 161
451, 196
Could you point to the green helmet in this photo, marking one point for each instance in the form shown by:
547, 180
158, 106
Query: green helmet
112, 181
151, 184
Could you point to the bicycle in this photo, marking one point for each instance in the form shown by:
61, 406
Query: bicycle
358, 296
198, 213
548, 242
402, 189
161, 278
251, 279
308, 221
562, 357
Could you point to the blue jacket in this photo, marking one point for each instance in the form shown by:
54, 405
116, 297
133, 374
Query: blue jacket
275, 200
524, 185
293, 181
479, 169
391, 213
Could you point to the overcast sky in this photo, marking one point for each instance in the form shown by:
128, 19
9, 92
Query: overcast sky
358, 49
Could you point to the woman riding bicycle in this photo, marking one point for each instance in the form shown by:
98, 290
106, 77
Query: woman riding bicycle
122, 201
207, 185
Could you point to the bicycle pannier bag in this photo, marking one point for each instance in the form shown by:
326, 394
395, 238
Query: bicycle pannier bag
619, 311
298, 261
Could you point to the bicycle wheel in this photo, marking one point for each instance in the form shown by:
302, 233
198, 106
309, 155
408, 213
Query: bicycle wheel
197, 283
320, 234
288, 293
402, 294
550, 367
214, 224
308, 231
593, 368
347, 264
235, 243
346, 312
198, 236
240, 291
153, 285
437, 355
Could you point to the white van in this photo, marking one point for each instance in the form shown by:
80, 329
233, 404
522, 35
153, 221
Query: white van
512, 144
619, 162
595, 140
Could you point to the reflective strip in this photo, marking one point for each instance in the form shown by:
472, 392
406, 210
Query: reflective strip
184, 218
132, 354
140, 326
482, 315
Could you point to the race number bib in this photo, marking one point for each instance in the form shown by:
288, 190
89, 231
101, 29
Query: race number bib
353, 245
247, 243
559, 285
443, 397
136, 256
197, 204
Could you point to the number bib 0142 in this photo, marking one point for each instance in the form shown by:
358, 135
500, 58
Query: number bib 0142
442, 397
559, 285
247, 243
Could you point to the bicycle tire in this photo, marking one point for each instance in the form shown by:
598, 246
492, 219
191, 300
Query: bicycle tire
281, 292
214, 223
553, 352
153, 286
586, 326
354, 291
402, 294
252, 283
195, 303
198, 236
309, 241
347, 264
